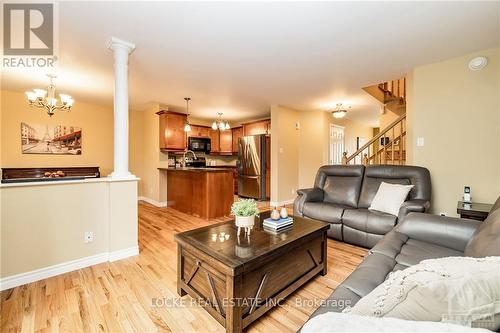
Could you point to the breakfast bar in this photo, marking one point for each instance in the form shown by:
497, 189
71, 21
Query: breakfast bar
202, 192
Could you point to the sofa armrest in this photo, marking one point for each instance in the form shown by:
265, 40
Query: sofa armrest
314, 194
450, 232
415, 206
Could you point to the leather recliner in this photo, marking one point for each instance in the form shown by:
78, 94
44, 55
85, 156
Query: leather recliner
418, 237
342, 194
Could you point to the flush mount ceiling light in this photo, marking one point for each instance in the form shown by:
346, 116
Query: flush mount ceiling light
187, 127
340, 111
46, 99
220, 124
478, 63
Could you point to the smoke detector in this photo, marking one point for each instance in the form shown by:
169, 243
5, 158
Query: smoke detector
478, 63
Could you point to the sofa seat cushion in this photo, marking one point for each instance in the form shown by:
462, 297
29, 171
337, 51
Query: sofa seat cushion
407, 251
324, 211
340, 299
373, 222
414, 251
369, 274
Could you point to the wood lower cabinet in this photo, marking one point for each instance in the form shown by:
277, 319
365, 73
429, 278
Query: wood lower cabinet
257, 127
237, 133
201, 193
172, 135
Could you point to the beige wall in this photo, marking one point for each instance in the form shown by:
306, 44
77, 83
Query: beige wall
145, 154
51, 231
97, 134
304, 150
284, 153
457, 112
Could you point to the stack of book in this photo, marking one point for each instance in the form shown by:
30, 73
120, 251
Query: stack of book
277, 226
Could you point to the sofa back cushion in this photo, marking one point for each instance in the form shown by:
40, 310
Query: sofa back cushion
486, 239
341, 183
403, 175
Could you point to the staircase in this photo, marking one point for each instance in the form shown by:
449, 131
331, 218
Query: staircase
389, 145
391, 94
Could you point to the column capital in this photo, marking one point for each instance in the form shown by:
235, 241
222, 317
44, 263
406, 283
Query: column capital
116, 43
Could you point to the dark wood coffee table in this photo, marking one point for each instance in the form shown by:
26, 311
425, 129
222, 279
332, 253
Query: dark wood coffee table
238, 279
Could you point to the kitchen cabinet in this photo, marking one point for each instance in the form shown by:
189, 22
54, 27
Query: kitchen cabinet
222, 142
199, 131
214, 138
226, 142
257, 127
172, 135
237, 133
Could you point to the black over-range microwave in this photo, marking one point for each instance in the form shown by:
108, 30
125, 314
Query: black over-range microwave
199, 144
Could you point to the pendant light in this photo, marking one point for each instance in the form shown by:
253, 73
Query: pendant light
187, 127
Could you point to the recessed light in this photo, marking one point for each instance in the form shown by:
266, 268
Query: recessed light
478, 63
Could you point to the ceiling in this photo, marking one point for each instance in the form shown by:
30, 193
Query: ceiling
241, 57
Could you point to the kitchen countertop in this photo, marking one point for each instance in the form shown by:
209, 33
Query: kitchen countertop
203, 169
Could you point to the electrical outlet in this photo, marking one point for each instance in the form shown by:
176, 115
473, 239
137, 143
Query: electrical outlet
420, 142
88, 237
443, 214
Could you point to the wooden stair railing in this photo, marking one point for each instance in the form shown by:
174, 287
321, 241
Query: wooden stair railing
382, 148
394, 90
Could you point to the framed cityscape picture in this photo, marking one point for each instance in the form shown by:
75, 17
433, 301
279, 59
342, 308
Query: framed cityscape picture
51, 139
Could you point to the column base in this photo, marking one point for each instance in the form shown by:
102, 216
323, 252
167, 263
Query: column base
122, 175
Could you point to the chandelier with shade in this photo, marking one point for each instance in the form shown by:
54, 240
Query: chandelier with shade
220, 124
340, 111
46, 99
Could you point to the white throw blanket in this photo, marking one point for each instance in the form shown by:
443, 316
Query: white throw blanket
340, 322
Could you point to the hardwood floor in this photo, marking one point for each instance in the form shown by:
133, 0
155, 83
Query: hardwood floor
129, 295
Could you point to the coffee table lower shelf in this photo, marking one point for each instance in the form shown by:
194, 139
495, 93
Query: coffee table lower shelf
237, 295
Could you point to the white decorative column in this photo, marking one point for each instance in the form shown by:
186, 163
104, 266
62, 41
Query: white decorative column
121, 50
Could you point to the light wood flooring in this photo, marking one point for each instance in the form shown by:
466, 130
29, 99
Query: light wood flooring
118, 296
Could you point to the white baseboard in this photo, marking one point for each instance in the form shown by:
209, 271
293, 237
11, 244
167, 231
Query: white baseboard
153, 202
281, 203
124, 253
65, 267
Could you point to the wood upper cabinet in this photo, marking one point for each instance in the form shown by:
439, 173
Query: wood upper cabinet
221, 141
172, 135
257, 127
214, 138
226, 141
237, 133
199, 131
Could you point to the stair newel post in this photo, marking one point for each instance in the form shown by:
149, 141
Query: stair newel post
344, 158
392, 146
400, 142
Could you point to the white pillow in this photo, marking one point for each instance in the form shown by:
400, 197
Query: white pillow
460, 290
390, 197
340, 323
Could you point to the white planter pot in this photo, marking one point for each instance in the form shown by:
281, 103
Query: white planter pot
245, 221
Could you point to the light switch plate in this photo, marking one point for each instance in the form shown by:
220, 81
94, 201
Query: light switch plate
420, 142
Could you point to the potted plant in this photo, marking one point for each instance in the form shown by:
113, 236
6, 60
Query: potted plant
244, 211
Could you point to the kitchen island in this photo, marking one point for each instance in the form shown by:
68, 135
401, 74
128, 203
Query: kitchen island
202, 192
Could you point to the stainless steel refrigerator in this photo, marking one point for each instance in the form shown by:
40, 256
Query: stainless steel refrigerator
253, 166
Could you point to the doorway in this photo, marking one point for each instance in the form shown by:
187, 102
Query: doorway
337, 144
